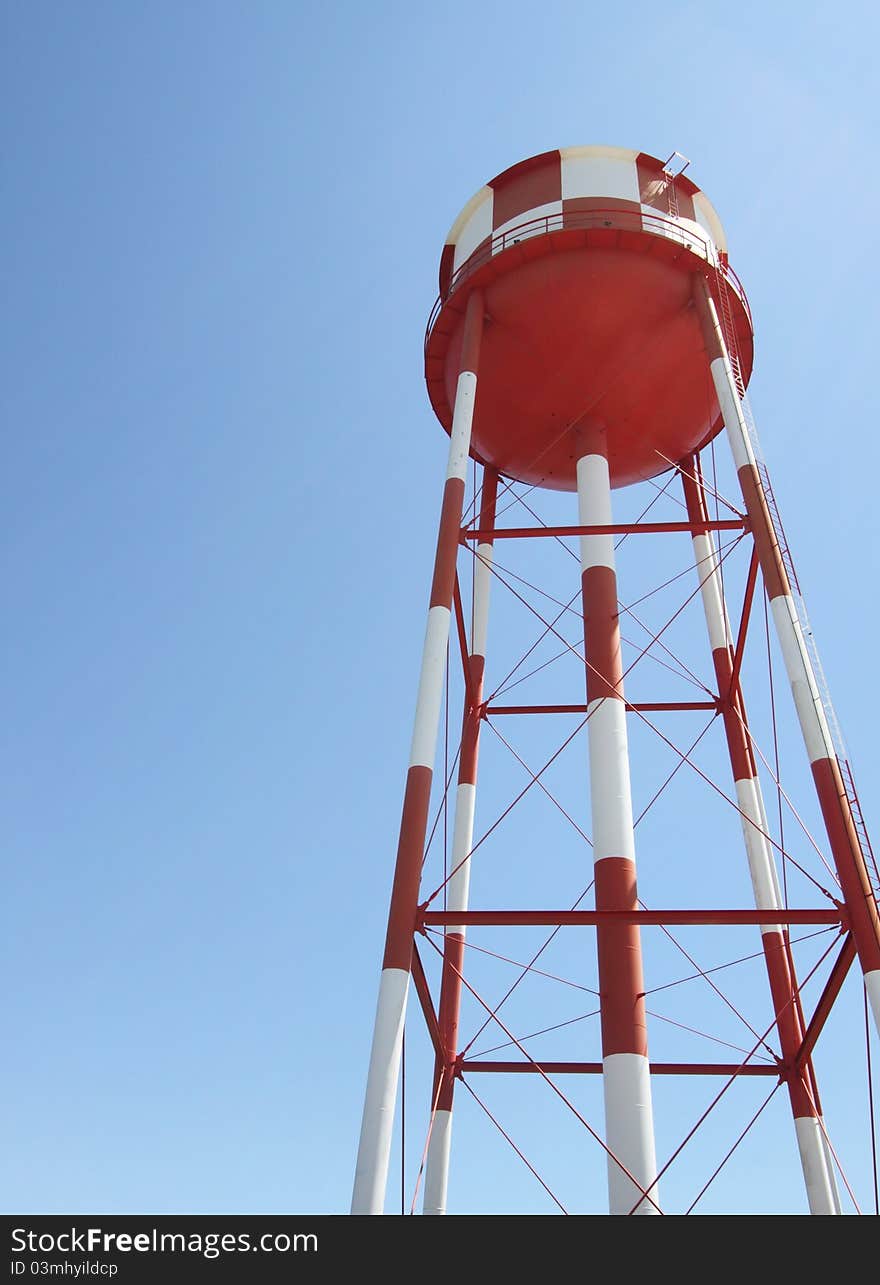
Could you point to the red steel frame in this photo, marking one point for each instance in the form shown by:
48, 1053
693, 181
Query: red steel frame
855, 914
729, 702
797, 1034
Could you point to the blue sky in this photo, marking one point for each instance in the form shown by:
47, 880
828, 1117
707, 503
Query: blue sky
222, 224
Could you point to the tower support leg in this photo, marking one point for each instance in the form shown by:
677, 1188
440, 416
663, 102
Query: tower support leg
629, 1124
843, 837
437, 1160
371, 1174
818, 1176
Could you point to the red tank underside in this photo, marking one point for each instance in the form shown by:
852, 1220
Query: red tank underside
586, 324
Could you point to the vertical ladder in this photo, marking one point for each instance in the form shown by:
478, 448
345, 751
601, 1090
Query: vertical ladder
855, 808
722, 296
781, 540
673, 166
726, 318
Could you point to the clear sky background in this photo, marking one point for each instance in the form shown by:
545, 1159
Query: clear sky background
221, 228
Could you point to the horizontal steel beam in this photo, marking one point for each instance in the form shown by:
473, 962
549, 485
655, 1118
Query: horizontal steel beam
644, 706
595, 1068
583, 918
610, 528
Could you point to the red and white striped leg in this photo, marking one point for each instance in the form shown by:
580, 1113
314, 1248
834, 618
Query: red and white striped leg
629, 1123
833, 801
819, 1178
371, 1174
437, 1160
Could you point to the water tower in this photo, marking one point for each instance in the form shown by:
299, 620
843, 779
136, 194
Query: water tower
590, 335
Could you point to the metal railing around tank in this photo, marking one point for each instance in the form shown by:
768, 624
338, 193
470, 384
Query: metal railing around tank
660, 225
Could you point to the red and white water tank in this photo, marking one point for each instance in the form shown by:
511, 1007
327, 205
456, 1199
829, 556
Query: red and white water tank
586, 258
